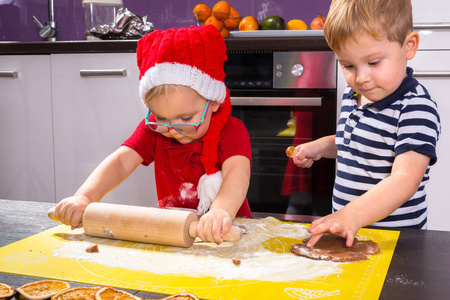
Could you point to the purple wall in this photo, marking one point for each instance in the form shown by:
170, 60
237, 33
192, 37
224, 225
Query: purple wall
16, 23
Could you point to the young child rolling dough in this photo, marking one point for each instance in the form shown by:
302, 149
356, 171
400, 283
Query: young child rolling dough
202, 155
386, 137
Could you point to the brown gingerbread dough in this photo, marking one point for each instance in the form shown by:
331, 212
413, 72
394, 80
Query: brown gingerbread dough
332, 247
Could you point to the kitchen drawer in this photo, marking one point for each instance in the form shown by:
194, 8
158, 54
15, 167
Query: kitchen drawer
438, 39
431, 11
429, 63
432, 21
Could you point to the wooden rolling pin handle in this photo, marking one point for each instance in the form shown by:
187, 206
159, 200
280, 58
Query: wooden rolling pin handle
234, 235
51, 214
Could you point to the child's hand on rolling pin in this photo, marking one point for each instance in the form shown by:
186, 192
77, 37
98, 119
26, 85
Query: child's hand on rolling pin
69, 211
214, 225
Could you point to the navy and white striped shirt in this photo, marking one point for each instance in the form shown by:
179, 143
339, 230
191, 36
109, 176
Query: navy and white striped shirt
369, 137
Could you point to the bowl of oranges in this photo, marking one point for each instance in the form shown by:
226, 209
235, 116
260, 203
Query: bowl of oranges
222, 15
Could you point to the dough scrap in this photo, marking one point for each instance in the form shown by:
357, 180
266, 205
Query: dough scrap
332, 247
92, 249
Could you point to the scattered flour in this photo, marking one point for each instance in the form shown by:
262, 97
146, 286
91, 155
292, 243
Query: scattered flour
188, 191
263, 253
401, 279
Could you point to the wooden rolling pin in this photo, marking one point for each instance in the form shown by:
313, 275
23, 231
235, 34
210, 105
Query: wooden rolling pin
143, 224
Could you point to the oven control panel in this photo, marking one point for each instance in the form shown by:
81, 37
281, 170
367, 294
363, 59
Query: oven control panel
253, 70
304, 70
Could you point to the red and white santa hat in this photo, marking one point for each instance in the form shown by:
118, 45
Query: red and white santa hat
192, 57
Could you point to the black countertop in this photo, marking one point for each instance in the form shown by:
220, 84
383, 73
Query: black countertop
420, 267
317, 43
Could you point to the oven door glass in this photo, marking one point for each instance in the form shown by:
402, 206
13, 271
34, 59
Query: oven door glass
276, 184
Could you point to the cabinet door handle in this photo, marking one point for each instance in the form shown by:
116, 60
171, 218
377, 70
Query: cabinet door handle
9, 74
438, 74
100, 73
273, 101
431, 26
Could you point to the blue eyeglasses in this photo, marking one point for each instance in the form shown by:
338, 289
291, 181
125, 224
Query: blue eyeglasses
185, 128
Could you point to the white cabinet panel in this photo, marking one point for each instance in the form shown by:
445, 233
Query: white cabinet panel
92, 117
434, 39
431, 61
431, 11
26, 137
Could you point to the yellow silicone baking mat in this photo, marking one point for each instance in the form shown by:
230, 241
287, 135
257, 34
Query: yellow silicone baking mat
267, 269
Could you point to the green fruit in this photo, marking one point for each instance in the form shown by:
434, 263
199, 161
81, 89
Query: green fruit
273, 23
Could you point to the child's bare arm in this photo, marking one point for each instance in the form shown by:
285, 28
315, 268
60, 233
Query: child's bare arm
377, 203
305, 154
107, 176
217, 222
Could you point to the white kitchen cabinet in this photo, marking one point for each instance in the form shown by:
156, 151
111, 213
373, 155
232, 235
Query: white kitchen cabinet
432, 68
26, 135
93, 115
432, 21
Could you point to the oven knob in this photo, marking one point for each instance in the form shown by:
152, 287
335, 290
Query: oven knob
279, 74
297, 70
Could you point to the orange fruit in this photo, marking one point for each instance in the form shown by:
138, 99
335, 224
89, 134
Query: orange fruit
201, 12
42, 289
6, 291
296, 24
77, 293
221, 10
232, 22
109, 293
182, 296
225, 33
212, 20
248, 23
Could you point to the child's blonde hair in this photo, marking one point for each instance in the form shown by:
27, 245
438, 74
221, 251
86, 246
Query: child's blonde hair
391, 19
157, 91
164, 89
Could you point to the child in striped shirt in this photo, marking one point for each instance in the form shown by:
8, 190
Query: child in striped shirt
386, 137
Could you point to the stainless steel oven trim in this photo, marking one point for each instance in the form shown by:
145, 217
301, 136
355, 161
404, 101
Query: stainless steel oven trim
276, 101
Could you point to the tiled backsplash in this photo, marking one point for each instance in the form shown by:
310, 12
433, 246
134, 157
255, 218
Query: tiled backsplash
16, 22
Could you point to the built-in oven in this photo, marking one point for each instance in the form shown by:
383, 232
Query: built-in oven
285, 98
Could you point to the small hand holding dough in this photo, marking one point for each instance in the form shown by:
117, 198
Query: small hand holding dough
290, 151
305, 162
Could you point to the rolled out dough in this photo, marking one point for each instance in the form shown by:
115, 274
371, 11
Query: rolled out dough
332, 247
